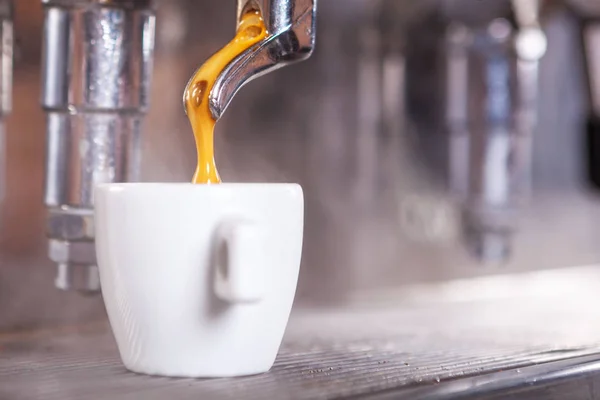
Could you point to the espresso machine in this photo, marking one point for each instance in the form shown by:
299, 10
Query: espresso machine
97, 72
450, 246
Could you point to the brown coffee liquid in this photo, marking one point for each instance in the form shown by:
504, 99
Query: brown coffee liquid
251, 30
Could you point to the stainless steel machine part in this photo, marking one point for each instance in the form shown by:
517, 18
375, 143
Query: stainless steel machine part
591, 41
589, 13
481, 128
97, 66
491, 125
6, 71
291, 27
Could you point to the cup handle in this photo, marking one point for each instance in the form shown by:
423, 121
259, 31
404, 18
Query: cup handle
240, 269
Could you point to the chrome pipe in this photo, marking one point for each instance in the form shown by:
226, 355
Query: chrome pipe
97, 65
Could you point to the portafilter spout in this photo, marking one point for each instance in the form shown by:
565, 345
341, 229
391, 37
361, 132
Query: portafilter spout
291, 38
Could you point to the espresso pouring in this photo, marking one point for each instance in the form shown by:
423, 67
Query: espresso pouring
251, 30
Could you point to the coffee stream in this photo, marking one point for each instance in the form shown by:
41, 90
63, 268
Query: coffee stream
251, 30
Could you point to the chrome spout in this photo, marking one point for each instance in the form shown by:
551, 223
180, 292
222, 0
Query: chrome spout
291, 27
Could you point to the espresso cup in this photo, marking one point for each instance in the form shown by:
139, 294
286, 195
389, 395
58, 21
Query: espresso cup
198, 280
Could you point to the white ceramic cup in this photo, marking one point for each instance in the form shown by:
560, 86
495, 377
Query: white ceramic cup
198, 280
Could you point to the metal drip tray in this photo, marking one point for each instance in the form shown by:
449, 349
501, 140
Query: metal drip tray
326, 354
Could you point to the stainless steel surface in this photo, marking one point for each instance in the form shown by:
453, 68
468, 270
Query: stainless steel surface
572, 378
96, 68
331, 353
292, 31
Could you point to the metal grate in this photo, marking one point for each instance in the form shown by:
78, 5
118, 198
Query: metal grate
325, 355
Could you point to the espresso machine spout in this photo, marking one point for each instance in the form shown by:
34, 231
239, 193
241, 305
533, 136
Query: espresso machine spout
291, 27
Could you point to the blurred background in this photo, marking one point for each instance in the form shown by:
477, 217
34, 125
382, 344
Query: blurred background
437, 141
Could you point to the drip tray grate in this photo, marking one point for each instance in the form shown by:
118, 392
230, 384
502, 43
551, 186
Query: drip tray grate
329, 354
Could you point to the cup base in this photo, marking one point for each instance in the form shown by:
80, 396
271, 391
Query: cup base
204, 373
